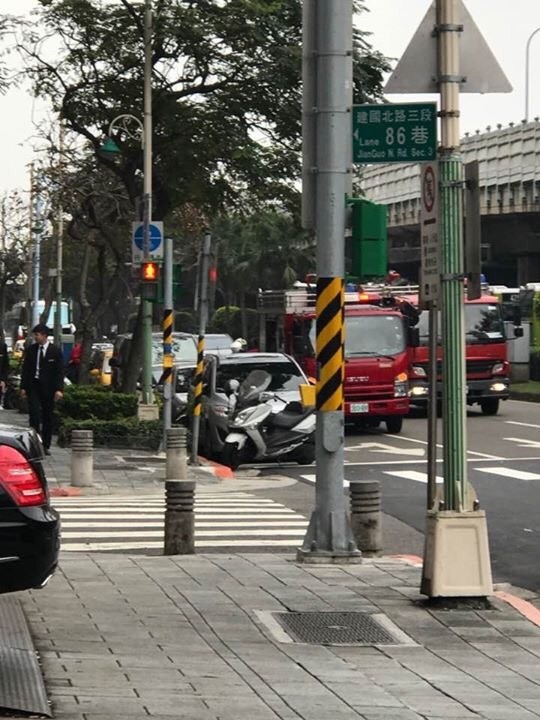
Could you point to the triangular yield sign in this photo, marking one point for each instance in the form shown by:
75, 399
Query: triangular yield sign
416, 72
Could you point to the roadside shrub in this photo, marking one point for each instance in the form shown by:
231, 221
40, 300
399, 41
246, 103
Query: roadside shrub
228, 319
119, 433
94, 402
534, 364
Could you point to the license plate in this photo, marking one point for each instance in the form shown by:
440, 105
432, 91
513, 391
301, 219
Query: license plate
359, 407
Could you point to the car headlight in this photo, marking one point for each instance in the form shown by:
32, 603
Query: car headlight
498, 368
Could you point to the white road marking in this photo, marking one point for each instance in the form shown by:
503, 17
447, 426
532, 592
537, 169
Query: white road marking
510, 473
382, 448
313, 478
522, 442
137, 522
412, 475
522, 424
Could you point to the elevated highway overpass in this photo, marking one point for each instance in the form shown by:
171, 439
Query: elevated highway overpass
509, 166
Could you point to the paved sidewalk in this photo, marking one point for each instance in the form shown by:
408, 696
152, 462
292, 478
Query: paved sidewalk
188, 637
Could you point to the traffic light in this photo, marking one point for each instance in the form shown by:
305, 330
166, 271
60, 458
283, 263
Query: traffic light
369, 253
149, 279
149, 272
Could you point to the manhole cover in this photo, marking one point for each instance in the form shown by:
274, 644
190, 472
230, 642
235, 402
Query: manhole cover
339, 628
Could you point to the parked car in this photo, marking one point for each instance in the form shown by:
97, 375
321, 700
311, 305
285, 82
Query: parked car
29, 526
184, 350
218, 344
100, 365
216, 406
182, 381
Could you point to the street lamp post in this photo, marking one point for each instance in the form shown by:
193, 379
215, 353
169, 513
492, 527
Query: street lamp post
528, 70
144, 130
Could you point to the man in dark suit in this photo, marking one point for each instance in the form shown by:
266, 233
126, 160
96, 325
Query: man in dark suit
42, 380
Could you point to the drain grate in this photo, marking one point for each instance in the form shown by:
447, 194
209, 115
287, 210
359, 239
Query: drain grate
337, 628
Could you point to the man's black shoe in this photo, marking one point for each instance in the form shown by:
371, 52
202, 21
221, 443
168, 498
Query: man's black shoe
47, 451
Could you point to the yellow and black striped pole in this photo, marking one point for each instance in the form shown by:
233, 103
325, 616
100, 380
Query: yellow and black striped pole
197, 396
167, 325
329, 345
167, 376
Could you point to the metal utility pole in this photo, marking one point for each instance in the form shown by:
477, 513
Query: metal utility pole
329, 534
59, 240
203, 319
528, 70
147, 200
452, 265
36, 229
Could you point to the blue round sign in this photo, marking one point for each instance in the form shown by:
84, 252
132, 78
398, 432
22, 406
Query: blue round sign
154, 237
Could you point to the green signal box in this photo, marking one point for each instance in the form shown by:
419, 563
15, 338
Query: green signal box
369, 252
177, 284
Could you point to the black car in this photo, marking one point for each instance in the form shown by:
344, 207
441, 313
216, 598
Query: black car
29, 527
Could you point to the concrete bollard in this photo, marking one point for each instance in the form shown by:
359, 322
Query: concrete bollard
82, 458
176, 463
179, 517
366, 516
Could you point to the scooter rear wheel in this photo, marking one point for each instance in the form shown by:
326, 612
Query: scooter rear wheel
232, 455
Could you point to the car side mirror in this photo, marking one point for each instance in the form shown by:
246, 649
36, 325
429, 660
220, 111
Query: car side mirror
518, 331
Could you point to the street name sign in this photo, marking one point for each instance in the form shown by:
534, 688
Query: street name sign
429, 234
155, 245
406, 132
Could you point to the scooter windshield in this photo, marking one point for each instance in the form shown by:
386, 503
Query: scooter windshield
256, 382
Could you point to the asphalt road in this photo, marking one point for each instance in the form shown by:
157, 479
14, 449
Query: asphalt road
503, 461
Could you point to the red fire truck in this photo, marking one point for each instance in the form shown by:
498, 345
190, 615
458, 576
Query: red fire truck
487, 367
378, 335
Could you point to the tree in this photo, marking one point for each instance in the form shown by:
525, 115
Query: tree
14, 251
227, 92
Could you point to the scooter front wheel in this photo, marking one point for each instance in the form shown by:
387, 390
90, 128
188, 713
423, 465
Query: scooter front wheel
231, 455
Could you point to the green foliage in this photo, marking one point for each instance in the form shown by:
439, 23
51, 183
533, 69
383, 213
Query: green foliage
228, 319
534, 364
184, 321
121, 432
94, 402
235, 93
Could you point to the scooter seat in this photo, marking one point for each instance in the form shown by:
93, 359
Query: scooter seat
288, 418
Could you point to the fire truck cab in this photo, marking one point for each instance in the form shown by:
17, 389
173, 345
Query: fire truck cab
378, 334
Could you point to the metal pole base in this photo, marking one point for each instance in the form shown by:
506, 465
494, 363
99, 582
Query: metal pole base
456, 555
321, 533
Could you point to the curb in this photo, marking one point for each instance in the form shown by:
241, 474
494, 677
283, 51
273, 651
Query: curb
524, 396
65, 492
529, 611
218, 470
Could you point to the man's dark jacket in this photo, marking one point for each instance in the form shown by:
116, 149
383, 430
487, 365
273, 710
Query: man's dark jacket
4, 362
51, 372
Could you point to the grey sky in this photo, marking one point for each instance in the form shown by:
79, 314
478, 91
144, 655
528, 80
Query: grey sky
506, 27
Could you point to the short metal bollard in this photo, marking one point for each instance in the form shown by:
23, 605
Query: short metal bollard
82, 458
366, 516
179, 517
176, 462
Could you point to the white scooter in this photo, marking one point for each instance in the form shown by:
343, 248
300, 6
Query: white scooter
265, 426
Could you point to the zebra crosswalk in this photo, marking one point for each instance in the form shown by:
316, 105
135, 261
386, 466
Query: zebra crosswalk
223, 520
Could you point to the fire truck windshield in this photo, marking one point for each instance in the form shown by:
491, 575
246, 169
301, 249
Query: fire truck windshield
483, 324
371, 335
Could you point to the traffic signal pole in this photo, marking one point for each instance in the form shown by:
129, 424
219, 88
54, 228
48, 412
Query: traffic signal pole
329, 536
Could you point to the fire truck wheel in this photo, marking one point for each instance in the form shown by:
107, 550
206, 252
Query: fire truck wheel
490, 406
394, 424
